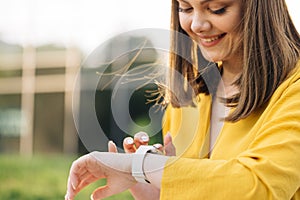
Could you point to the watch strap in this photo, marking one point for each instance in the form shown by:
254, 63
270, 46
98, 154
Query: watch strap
137, 168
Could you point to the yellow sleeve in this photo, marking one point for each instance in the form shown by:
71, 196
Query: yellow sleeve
172, 121
268, 169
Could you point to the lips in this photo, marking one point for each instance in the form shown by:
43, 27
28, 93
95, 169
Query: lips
210, 41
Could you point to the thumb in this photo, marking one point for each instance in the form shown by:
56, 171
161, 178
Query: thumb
101, 193
170, 149
112, 147
167, 139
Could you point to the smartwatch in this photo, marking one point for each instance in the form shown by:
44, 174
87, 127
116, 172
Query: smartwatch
137, 168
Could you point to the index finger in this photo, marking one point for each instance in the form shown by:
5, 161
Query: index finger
77, 169
141, 138
128, 145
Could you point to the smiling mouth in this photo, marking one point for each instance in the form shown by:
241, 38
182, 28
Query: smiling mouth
209, 40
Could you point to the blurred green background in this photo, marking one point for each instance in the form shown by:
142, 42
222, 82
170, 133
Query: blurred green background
40, 178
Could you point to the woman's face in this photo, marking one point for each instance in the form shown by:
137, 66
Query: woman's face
213, 24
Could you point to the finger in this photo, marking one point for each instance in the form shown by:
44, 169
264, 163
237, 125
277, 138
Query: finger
71, 196
69, 188
141, 138
88, 180
169, 147
81, 174
67, 197
100, 193
167, 139
159, 147
128, 145
105, 191
82, 177
112, 147
77, 169
81, 171
73, 181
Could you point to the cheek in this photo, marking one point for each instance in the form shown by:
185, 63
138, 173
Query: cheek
228, 25
184, 23
229, 22
234, 22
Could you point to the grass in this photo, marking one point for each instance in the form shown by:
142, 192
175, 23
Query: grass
41, 178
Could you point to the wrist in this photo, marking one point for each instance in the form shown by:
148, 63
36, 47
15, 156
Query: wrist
138, 158
147, 166
117, 161
154, 167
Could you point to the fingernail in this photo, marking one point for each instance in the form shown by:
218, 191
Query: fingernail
129, 141
145, 138
157, 146
111, 142
92, 197
169, 135
73, 186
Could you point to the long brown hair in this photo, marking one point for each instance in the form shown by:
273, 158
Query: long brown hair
270, 50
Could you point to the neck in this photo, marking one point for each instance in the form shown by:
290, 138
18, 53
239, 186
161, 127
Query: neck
231, 72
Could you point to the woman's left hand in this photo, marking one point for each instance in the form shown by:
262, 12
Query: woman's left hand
142, 191
115, 167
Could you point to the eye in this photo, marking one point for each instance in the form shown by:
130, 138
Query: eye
185, 10
218, 11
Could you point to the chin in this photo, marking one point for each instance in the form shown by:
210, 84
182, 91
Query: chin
211, 58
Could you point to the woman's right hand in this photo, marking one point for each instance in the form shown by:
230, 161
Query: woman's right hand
142, 191
141, 138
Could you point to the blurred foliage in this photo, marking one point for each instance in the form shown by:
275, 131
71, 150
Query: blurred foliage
41, 178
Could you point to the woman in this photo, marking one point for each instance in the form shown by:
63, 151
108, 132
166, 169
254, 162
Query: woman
255, 152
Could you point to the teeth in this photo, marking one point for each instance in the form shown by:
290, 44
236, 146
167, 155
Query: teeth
211, 39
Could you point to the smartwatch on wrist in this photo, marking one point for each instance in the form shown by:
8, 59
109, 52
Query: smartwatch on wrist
137, 168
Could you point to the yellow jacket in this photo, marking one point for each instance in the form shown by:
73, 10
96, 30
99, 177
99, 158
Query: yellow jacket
255, 158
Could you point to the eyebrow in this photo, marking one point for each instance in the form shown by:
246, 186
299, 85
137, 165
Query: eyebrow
205, 1
201, 2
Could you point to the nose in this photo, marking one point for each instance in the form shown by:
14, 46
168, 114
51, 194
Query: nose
200, 23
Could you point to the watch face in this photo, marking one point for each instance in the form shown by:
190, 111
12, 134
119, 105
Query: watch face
145, 149
156, 151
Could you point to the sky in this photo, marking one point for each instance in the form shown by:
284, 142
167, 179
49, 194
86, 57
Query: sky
85, 23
